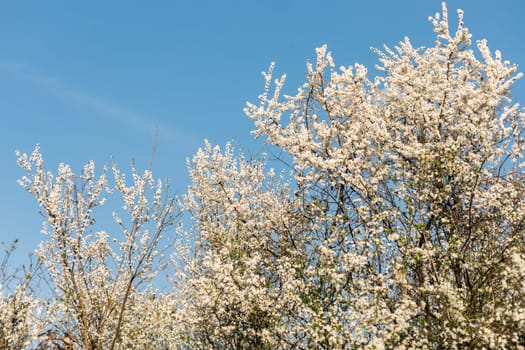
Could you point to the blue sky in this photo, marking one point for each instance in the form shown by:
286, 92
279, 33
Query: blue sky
94, 80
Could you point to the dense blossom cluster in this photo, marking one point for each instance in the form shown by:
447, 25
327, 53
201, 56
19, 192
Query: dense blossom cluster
400, 222
19, 318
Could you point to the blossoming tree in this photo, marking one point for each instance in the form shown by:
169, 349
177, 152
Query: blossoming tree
402, 223
102, 291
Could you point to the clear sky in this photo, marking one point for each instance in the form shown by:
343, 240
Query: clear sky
95, 79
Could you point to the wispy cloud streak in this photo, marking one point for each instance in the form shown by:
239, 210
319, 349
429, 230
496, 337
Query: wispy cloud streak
101, 106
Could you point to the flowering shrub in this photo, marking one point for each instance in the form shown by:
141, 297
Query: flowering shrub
401, 226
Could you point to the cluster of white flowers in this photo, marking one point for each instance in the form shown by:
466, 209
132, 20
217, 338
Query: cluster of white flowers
20, 322
98, 286
400, 223
20, 311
